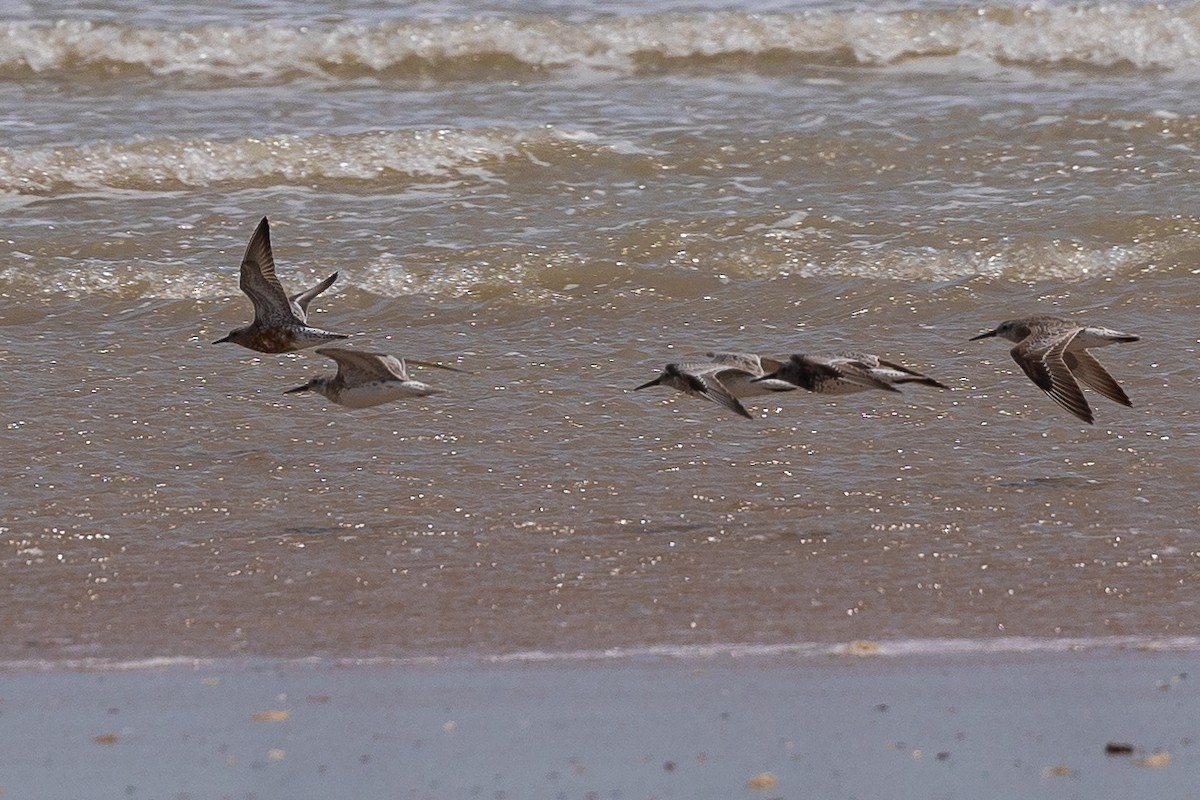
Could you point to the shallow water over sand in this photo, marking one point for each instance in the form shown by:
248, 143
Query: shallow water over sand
562, 210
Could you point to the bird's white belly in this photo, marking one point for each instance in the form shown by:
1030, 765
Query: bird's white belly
374, 394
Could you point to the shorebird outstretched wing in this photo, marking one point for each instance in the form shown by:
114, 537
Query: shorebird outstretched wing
258, 281
1043, 361
1085, 367
299, 301
747, 362
700, 379
704, 381
355, 366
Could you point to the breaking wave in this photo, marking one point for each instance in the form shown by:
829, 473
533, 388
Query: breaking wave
172, 164
1107, 35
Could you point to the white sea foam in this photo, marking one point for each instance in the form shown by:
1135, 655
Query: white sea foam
899, 648
166, 164
1139, 35
1053, 261
104, 664
884, 648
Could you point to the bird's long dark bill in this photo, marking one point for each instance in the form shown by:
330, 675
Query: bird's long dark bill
770, 377
982, 336
648, 384
303, 388
221, 341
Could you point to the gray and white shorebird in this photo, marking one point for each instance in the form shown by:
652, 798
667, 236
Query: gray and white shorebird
846, 373
1053, 352
280, 322
367, 379
723, 379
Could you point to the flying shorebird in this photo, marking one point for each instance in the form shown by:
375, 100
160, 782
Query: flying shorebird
280, 322
1053, 353
723, 379
367, 379
846, 373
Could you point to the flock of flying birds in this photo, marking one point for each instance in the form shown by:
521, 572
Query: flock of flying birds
1052, 351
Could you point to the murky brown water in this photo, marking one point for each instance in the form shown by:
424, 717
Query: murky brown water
564, 234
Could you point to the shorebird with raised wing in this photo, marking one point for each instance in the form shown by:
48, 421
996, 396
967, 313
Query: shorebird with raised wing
1053, 352
280, 322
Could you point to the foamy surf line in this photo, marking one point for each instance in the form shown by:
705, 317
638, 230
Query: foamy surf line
1143, 36
174, 164
799, 651
864, 648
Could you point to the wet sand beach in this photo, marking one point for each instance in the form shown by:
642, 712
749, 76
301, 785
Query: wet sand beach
1013, 725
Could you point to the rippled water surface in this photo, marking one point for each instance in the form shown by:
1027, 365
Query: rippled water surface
562, 198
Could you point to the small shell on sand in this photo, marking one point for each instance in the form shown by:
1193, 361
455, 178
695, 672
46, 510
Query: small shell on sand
270, 716
1156, 760
763, 780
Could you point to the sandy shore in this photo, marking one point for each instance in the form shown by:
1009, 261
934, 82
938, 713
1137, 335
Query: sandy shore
975, 727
